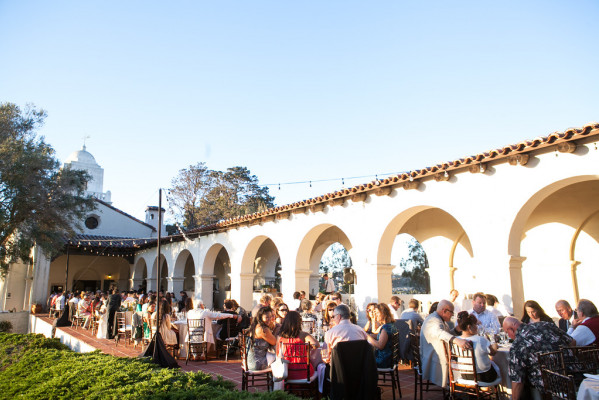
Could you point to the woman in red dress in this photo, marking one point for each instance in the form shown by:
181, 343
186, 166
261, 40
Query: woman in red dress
291, 333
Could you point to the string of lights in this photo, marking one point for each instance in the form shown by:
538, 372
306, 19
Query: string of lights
342, 179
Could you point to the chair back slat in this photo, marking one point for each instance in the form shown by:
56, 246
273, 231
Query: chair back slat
552, 361
579, 360
298, 355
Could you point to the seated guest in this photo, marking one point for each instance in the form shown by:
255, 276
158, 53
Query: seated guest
533, 312
343, 330
327, 319
264, 302
261, 339
412, 314
383, 344
291, 332
485, 371
457, 304
435, 331
319, 303
296, 302
306, 306
337, 298
395, 307
486, 318
529, 340
566, 315
84, 310
233, 324
585, 330
168, 331
495, 307
371, 323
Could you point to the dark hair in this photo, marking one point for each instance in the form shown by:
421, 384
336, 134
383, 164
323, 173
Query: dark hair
433, 307
535, 306
296, 295
279, 306
336, 295
165, 308
367, 306
188, 304
385, 312
292, 325
229, 304
465, 320
491, 300
481, 295
327, 316
257, 320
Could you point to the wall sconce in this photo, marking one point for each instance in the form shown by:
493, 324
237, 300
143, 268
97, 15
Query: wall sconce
109, 276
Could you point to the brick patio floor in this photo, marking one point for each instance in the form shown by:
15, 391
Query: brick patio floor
230, 370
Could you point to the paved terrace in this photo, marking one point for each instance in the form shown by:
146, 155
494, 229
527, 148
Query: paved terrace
230, 370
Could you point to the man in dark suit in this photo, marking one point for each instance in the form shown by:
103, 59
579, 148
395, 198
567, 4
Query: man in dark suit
565, 312
114, 304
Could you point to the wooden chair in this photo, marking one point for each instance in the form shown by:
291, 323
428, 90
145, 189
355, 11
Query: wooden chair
578, 361
94, 322
122, 330
195, 338
557, 386
76, 319
552, 361
462, 362
391, 374
249, 378
416, 364
298, 355
230, 342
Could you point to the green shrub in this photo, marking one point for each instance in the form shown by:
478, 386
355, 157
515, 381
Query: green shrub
34, 367
5, 326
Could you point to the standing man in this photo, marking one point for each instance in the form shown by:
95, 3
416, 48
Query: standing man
529, 340
486, 318
457, 305
565, 312
114, 304
329, 285
435, 331
585, 329
395, 307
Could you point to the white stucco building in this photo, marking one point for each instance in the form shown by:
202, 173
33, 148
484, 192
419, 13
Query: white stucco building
520, 222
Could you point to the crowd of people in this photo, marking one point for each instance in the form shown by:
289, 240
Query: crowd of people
325, 321
478, 329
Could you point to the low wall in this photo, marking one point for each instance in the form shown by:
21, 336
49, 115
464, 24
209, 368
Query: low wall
19, 320
38, 325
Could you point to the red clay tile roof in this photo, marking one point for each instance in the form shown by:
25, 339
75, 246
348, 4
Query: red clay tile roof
589, 130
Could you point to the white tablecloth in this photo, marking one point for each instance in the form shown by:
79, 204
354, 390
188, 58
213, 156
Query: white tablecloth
589, 390
182, 326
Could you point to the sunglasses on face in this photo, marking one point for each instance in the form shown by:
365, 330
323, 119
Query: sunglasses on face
284, 310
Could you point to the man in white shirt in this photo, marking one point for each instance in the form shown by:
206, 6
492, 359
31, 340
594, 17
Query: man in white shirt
395, 307
585, 330
486, 318
329, 285
344, 330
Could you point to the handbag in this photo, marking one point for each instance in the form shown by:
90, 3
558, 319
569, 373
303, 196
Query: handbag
279, 367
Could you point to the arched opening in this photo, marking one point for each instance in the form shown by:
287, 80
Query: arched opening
559, 245
189, 283
222, 279
410, 275
446, 248
140, 274
163, 273
183, 273
337, 265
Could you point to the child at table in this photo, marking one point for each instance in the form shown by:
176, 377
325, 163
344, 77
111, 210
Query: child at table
486, 371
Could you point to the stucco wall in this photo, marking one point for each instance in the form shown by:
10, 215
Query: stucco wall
19, 321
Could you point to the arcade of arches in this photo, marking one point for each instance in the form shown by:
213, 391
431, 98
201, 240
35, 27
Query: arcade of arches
520, 228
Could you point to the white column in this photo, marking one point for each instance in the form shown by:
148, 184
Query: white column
314, 282
302, 280
41, 273
244, 292
175, 284
151, 284
204, 285
135, 283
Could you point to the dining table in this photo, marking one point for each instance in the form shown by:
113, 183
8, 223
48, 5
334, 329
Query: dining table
501, 359
589, 389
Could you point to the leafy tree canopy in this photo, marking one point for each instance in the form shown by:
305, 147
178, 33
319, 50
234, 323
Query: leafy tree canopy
200, 196
414, 268
39, 203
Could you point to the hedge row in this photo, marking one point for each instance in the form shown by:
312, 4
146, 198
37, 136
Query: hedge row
34, 367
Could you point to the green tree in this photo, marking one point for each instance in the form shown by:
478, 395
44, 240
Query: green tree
39, 203
415, 265
200, 196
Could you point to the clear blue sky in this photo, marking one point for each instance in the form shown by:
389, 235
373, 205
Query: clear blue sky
295, 91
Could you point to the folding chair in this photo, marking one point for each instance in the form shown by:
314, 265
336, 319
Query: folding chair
195, 338
462, 362
391, 373
252, 378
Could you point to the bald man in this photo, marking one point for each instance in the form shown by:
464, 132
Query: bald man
530, 339
435, 331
